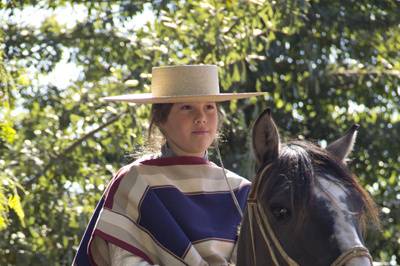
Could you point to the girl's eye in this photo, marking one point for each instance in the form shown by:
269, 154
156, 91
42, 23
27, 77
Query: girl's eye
210, 107
186, 107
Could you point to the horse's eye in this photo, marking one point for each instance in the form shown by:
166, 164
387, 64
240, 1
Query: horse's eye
281, 214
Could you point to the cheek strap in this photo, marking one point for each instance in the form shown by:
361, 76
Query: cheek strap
227, 182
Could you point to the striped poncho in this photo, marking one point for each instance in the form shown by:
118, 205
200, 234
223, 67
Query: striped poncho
167, 211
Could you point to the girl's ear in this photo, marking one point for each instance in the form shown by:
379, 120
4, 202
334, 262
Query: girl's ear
266, 140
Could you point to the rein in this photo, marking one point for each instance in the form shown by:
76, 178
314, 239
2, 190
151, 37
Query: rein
257, 217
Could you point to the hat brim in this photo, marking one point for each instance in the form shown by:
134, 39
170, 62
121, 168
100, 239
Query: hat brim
150, 98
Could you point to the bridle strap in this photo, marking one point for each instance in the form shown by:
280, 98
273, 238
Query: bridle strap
357, 251
255, 210
253, 247
262, 222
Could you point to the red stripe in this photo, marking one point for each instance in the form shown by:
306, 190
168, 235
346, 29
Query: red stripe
124, 245
177, 160
112, 189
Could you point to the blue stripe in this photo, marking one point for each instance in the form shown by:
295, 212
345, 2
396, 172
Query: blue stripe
82, 256
175, 219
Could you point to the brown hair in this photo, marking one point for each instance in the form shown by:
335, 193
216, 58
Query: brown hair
159, 114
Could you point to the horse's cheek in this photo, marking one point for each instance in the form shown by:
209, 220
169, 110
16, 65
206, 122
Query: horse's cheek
243, 251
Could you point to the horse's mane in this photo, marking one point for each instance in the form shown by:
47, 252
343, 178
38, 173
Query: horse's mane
299, 163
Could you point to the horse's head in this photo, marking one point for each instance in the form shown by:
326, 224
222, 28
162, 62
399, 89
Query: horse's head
305, 207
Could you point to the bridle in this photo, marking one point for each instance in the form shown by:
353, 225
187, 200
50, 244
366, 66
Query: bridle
258, 217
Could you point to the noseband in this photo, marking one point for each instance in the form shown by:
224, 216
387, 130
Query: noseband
258, 217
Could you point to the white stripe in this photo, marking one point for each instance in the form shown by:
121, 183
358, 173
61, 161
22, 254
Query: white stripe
134, 197
132, 235
193, 258
215, 251
191, 178
345, 232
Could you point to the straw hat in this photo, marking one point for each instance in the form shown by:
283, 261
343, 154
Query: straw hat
185, 83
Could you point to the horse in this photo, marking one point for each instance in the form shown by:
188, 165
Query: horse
305, 207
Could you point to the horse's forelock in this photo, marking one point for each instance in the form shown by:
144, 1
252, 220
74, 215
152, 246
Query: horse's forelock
324, 164
293, 172
299, 163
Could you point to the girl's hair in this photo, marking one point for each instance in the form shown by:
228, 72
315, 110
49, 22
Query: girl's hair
158, 115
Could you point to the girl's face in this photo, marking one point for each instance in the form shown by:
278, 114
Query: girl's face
191, 128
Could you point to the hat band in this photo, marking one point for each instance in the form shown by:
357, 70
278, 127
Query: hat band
186, 92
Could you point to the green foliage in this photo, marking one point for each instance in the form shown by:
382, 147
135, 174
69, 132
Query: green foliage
324, 65
9, 196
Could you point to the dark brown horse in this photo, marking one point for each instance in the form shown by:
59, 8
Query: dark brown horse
305, 206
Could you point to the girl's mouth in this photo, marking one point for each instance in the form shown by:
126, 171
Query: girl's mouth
200, 132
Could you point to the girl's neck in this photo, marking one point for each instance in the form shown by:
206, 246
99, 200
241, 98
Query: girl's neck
167, 151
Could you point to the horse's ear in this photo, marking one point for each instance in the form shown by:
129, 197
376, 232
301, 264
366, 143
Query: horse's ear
265, 138
344, 145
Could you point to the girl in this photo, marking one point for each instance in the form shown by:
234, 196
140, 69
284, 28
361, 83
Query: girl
174, 208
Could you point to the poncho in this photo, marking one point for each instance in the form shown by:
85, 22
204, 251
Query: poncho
168, 211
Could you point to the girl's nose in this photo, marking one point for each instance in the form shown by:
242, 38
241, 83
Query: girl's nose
200, 117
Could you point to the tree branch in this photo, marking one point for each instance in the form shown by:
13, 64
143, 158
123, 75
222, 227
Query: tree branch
361, 72
72, 147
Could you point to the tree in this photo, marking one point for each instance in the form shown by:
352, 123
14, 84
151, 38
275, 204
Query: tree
324, 64
9, 197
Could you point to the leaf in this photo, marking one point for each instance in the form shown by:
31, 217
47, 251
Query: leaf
14, 202
3, 208
7, 133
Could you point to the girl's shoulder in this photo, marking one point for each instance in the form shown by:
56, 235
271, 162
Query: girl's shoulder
230, 174
175, 168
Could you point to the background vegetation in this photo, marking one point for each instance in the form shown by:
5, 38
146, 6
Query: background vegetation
325, 65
